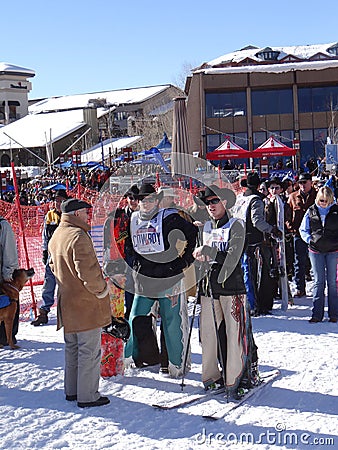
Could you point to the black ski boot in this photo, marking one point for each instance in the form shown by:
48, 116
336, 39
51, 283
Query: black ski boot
42, 318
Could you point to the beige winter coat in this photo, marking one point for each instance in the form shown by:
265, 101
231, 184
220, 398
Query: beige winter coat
83, 301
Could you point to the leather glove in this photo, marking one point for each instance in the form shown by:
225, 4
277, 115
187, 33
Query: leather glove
276, 233
45, 256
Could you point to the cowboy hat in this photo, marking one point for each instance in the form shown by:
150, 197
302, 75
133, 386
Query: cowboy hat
222, 193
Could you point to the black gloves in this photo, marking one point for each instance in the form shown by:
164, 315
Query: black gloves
45, 256
276, 233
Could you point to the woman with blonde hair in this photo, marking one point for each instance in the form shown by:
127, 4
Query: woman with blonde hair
319, 229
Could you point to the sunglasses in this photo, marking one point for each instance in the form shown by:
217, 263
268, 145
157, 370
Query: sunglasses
303, 182
323, 200
275, 187
213, 201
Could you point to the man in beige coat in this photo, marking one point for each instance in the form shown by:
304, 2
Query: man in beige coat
83, 303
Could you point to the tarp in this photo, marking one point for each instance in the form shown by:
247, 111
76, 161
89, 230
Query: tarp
272, 147
56, 187
144, 161
154, 157
164, 145
228, 150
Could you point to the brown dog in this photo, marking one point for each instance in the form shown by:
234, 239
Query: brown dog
12, 289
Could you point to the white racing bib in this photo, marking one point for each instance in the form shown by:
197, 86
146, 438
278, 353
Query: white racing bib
217, 237
147, 235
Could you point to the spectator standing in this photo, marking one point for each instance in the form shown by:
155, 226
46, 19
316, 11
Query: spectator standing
50, 224
299, 202
256, 261
83, 303
319, 230
8, 263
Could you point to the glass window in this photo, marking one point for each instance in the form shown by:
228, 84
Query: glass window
225, 104
286, 137
258, 138
304, 100
306, 135
213, 141
273, 101
241, 139
317, 99
306, 145
320, 135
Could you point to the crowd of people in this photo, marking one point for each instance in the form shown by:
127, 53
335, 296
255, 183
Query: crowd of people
223, 250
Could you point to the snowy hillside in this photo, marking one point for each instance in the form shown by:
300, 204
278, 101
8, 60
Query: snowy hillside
297, 410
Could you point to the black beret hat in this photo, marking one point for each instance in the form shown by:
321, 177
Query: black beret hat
73, 204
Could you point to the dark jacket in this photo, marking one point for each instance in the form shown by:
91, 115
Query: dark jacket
324, 239
225, 275
256, 225
166, 270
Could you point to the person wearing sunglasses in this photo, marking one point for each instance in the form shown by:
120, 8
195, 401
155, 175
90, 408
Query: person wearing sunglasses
224, 312
158, 273
319, 230
299, 202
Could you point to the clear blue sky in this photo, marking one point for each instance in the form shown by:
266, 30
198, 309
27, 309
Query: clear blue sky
82, 46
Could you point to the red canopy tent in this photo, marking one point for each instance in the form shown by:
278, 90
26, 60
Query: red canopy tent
272, 147
228, 150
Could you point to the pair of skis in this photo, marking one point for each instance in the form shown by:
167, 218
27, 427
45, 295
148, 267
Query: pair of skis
212, 406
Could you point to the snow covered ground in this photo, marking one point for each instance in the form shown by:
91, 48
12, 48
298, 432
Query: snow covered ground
297, 411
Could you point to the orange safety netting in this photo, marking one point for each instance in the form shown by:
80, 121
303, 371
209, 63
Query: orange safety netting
33, 218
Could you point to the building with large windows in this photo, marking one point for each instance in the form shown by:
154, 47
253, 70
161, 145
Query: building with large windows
290, 92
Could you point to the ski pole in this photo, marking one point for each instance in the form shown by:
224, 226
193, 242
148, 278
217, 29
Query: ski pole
197, 300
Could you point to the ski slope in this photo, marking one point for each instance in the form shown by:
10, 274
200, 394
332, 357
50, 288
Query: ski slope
298, 410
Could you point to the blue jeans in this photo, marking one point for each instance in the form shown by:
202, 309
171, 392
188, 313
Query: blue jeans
324, 266
48, 289
301, 255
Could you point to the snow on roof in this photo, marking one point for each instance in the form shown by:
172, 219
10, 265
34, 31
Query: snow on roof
109, 146
304, 52
118, 97
11, 69
33, 130
276, 68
